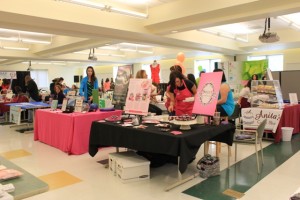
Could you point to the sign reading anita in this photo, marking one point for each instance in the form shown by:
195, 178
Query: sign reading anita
252, 117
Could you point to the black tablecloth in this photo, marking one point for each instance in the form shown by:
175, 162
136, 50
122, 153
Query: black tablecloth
153, 140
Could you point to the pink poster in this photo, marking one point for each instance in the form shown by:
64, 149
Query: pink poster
207, 93
138, 96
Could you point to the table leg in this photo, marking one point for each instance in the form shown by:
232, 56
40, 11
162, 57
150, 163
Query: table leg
180, 180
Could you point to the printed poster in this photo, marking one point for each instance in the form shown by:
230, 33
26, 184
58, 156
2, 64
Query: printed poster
8, 75
121, 85
258, 67
207, 93
15, 114
252, 117
138, 98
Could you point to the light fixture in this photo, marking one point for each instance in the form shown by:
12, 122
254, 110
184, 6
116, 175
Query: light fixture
289, 22
16, 48
128, 12
128, 50
29, 66
226, 35
86, 3
145, 52
13, 39
35, 41
117, 55
108, 8
109, 48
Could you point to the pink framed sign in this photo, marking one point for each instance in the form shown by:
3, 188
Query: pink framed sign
207, 93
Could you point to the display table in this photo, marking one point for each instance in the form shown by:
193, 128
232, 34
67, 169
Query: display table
185, 146
68, 132
290, 118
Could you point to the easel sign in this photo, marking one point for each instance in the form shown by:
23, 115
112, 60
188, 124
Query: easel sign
54, 104
78, 105
15, 114
138, 97
64, 104
293, 98
207, 93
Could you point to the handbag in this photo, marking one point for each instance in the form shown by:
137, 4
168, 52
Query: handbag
208, 166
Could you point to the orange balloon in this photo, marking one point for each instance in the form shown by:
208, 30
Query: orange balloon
181, 65
180, 57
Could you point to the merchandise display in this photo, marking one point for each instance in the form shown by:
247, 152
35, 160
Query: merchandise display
266, 94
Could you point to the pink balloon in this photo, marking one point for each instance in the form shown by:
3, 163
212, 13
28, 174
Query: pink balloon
180, 57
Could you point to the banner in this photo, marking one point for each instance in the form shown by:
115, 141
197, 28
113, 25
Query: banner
252, 117
121, 85
8, 75
258, 67
138, 98
207, 93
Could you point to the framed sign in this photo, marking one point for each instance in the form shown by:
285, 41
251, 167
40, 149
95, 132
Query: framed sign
15, 114
121, 84
78, 105
293, 98
54, 104
138, 98
252, 117
64, 104
207, 93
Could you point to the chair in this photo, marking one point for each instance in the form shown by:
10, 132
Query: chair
246, 136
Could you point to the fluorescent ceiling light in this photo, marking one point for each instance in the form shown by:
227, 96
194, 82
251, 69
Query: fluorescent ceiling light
44, 63
145, 52
109, 48
35, 41
14, 39
284, 19
86, 3
24, 32
73, 62
129, 50
16, 48
296, 26
101, 54
128, 12
135, 45
81, 52
117, 55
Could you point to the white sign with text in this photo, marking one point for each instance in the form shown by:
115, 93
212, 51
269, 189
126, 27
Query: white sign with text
252, 117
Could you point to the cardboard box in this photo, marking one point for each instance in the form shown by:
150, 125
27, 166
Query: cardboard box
112, 159
133, 168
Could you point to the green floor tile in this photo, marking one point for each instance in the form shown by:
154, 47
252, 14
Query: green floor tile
243, 175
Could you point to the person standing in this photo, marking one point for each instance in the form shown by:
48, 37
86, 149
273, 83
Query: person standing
33, 94
88, 83
180, 89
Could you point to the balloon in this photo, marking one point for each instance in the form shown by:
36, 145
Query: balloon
181, 65
180, 57
199, 68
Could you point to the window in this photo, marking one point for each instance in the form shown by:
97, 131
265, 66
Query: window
115, 71
275, 61
146, 67
40, 77
205, 65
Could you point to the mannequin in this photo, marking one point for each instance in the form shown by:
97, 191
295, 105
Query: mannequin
155, 69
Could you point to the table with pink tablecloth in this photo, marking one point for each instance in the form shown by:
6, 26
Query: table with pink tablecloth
290, 118
68, 132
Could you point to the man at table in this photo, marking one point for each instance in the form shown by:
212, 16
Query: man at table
33, 93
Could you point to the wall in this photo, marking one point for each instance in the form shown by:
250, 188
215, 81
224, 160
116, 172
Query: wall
291, 58
54, 71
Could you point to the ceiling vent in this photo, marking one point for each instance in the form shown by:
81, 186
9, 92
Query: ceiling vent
92, 55
268, 37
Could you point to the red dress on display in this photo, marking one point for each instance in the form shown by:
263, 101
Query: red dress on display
155, 69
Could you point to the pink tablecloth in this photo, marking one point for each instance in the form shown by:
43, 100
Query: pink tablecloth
290, 118
68, 132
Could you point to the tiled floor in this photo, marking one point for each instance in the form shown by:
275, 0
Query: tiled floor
82, 177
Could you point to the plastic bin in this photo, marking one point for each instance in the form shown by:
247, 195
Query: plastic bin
287, 133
